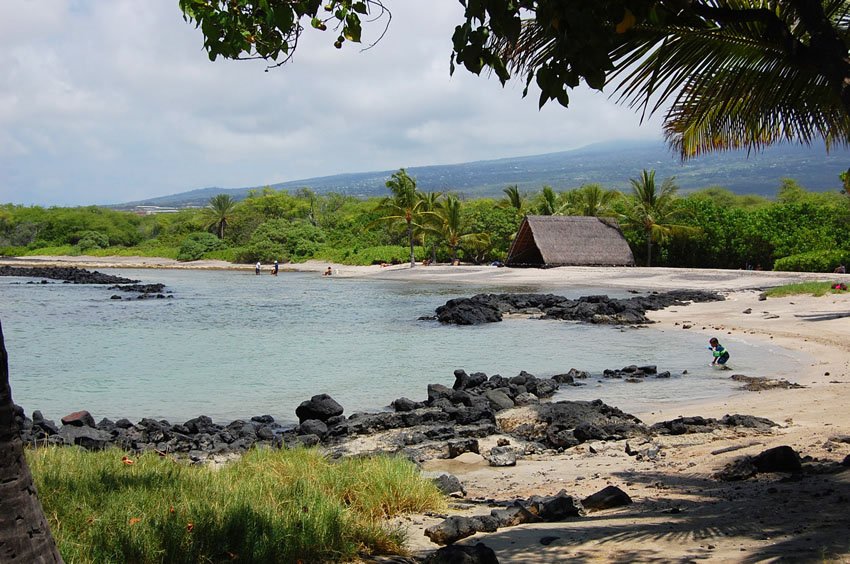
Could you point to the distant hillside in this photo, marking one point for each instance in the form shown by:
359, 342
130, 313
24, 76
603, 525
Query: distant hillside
610, 164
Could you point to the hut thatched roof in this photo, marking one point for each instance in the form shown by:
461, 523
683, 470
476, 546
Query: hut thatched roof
554, 240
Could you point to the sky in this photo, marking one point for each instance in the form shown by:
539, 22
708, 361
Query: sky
110, 101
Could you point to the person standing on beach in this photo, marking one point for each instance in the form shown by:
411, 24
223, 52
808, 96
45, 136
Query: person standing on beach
257, 268
721, 355
275, 268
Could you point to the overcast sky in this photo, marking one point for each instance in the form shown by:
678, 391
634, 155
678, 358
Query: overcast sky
115, 100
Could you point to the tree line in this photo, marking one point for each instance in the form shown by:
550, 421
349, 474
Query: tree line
708, 228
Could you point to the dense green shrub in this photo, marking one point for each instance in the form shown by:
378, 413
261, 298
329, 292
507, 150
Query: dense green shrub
92, 240
815, 261
263, 250
386, 254
197, 244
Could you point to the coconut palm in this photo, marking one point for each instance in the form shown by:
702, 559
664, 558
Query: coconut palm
218, 212
430, 220
24, 534
592, 200
548, 202
454, 228
404, 207
652, 210
514, 199
731, 73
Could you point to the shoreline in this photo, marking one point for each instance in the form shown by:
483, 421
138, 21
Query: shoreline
615, 277
680, 512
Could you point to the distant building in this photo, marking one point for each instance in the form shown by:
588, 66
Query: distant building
151, 210
554, 240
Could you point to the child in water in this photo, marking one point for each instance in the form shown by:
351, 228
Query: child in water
721, 355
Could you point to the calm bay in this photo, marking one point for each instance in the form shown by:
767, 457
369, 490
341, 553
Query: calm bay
230, 345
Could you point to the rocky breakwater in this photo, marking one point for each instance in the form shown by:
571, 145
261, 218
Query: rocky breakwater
489, 308
198, 439
449, 422
69, 275
501, 418
72, 275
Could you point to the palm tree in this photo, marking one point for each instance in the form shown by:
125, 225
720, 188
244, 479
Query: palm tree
430, 223
592, 200
651, 210
403, 207
454, 228
218, 212
514, 199
24, 534
547, 202
731, 74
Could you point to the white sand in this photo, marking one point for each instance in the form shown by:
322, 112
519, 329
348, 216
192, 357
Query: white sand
761, 519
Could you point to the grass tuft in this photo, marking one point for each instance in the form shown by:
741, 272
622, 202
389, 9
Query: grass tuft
269, 506
816, 289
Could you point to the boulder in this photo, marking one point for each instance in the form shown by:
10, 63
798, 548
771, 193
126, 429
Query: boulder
737, 470
501, 456
460, 446
469, 311
778, 459
447, 483
321, 407
404, 404
458, 527
202, 424
87, 437
263, 419
437, 392
79, 419
312, 427
607, 498
555, 508
455, 554
498, 400
514, 515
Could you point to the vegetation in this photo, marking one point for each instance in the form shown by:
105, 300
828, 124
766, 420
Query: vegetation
268, 506
814, 288
651, 210
711, 228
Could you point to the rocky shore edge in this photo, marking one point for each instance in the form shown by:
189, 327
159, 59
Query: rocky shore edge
515, 415
599, 309
74, 275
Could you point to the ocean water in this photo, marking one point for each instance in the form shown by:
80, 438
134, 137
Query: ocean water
232, 345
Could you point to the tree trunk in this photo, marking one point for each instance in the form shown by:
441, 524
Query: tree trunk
24, 534
410, 238
648, 249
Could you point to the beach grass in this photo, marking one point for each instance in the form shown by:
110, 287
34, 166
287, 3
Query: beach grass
811, 288
268, 506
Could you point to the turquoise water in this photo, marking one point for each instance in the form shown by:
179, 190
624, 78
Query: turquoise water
232, 345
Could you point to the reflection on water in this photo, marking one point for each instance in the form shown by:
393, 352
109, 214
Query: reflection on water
232, 345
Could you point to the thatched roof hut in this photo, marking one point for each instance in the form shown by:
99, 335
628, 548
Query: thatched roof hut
553, 240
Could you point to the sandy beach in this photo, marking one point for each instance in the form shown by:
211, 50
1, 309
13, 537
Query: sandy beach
680, 512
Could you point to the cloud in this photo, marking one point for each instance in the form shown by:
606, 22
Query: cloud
104, 102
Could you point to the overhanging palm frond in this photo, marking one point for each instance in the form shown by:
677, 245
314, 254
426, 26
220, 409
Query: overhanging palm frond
728, 90
728, 73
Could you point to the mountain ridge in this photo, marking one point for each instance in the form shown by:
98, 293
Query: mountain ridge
610, 164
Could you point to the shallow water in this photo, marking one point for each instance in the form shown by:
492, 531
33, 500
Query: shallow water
232, 345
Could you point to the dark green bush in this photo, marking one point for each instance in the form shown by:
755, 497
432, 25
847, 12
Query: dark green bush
814, 261
92, 240
263, 250
196, 245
